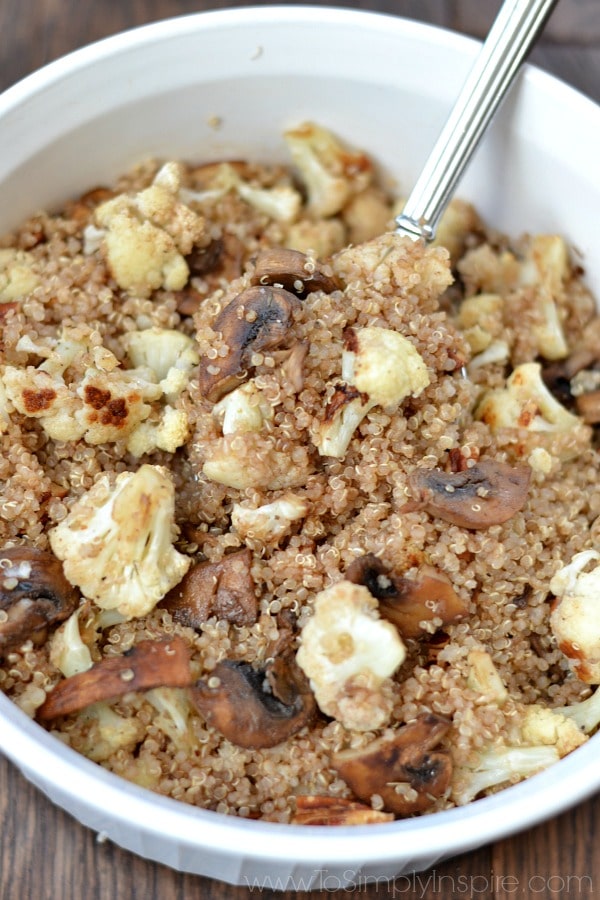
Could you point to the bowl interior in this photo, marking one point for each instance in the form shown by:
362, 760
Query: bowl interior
225, 85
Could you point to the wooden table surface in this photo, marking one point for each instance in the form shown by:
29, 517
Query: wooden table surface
44, 853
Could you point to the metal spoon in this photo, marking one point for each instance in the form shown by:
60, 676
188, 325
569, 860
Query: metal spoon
515, 30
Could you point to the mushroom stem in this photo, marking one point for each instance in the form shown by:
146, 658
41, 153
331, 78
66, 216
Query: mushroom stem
405, 770
148, 664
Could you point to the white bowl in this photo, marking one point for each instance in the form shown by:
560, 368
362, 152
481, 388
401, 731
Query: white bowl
384, 84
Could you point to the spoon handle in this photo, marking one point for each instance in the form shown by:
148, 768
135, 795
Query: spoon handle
512, 34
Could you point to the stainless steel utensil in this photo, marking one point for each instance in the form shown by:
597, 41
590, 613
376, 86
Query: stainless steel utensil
513, 33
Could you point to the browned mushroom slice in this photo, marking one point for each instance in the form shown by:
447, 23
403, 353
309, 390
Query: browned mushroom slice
406, 602
224, 589
257, 319
34, 594
588, 407
204, 175
80, 210
406, 771
149, 664
489, 493
256, 708
318, 810
293, 271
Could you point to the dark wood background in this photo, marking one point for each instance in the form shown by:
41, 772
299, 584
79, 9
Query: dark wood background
46, 855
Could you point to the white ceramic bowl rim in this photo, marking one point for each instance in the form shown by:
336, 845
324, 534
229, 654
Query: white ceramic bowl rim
36, 751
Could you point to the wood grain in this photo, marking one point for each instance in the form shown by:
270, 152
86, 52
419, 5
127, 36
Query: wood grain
44, 853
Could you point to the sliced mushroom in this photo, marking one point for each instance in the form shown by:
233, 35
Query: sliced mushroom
34, 594
292, 270
257, 319
81, 209
224, 589
149, 664
256, 708
222, 260
489, 493
405, 602
321, 810
588, 407
405, 770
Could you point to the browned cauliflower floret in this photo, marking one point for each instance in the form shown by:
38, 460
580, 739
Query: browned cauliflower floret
322, 238
330, 172
147, 236
104, 402
380, 367
541, 725
367, 215
481, 319
542, 277
526, 404
171, 356
270, 522
280, 202
17, 277
37, 394
575, 618
242, 410
349, 653
116, 543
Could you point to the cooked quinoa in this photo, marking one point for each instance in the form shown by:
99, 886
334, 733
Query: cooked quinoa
78, 286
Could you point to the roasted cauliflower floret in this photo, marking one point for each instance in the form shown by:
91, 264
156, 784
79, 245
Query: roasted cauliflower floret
37, 394
102, 401
484, 677
242, 410
525, 402
116, 543
349, 654
499, 766
41, 392
544, 271
102, 732
113, 404
270, 522
551, 727
380, 367
575, 618
147, 236
170, 431
480, 317
330, 172
280, 202
585, 713
68, 652
17, 277
170, 354
322, 238
367, 215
